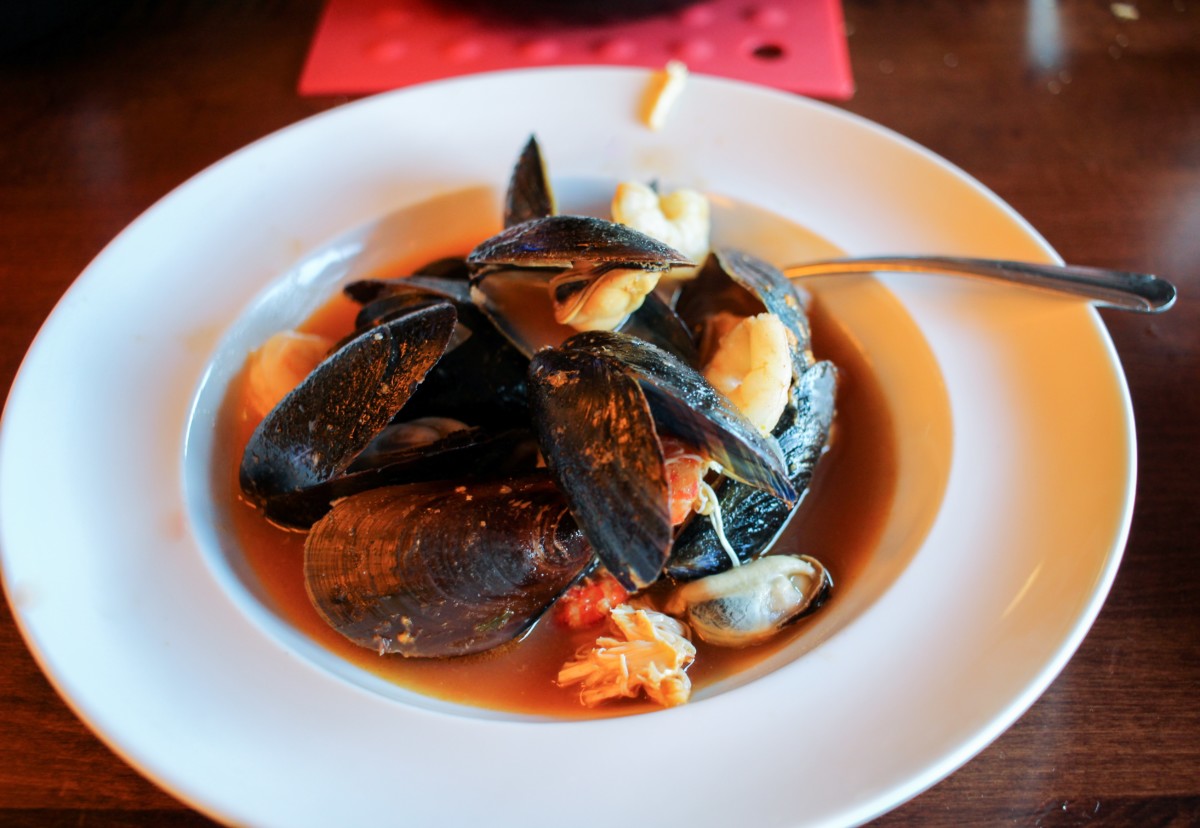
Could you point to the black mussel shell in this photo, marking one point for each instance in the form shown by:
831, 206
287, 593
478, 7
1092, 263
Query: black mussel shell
392, 306
598, 436
711, 291
656, 323
597, 404
445, 286
751, 519
481, 377
443, 569
744, 285
686, 405
771, 287
481, 381
317, 430
466, 455
529, 193
561, 240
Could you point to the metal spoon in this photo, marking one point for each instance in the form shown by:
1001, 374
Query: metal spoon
1139, 292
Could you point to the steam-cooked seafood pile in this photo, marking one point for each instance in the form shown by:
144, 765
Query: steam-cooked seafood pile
600, 418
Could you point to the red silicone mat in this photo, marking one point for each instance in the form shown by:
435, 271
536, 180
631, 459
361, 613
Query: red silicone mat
364, 46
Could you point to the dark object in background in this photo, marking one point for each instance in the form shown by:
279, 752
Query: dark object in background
552, 13
22, 23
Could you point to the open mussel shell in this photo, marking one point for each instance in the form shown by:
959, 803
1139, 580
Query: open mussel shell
752, 520
598, 403
749, 604
735, 282
317, 430
529, 194
518, 303
655, 322
599, 440
405, 290
771, 287
562, 240
393, 306
535, 272
443, 569
481, 377
739, 283
713, 291
465, 456
447, 278
686, 405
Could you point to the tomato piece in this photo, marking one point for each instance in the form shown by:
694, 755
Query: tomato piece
588, 602
685, 470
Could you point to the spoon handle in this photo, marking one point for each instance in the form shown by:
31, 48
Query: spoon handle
1139, 292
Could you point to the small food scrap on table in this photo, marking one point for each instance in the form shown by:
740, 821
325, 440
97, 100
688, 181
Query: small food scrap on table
1125, 11
666, 87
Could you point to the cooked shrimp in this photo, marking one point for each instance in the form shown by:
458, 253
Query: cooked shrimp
753, 367
604, 303
680, 219
279, 365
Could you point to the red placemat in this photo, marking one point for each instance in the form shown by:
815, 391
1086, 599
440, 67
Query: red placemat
364, 46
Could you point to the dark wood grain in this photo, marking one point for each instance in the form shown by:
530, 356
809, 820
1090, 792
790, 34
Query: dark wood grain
1093, 135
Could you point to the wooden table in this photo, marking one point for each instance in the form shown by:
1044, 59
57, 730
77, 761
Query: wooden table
1090, 129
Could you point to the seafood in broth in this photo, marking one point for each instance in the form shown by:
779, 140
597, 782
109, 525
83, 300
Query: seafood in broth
460, 469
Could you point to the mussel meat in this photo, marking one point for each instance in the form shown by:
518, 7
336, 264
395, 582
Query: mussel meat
594, 272
750, 603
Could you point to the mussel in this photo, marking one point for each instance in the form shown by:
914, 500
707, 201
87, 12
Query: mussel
480, 378
750, 603
558, 274
577, 272
566, 241
598, 403
466, 455
751, 521
317, 430
443, 569
529, 194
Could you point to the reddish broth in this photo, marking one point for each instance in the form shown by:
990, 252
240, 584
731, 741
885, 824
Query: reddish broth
840, 523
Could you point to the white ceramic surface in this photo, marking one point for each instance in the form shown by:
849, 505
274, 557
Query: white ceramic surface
125, 588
